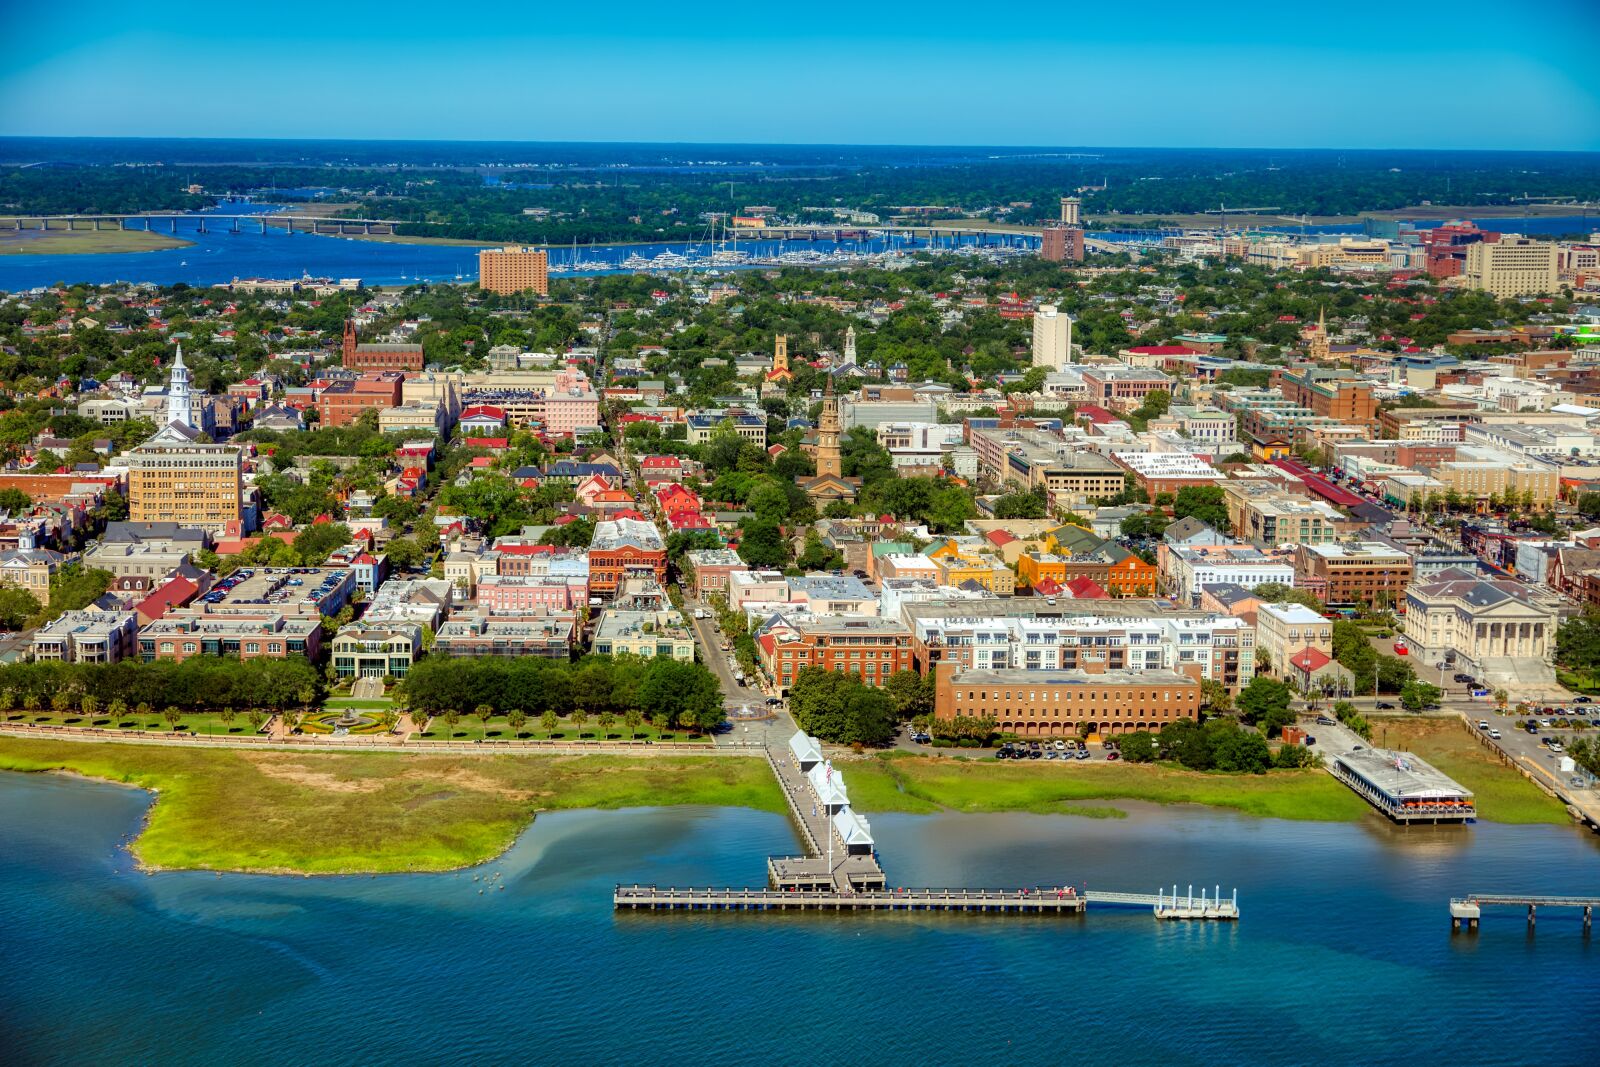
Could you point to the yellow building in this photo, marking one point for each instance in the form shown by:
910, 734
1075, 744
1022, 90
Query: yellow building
1511, 266
996, 578
174, 477
511, 270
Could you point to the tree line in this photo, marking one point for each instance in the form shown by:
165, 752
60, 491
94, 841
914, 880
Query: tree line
203, 683
672, 693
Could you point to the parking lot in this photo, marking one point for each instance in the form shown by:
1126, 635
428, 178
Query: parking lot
1530, 749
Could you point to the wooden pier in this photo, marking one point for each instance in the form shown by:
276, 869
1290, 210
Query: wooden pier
1466, 911
1042, 901
844, 875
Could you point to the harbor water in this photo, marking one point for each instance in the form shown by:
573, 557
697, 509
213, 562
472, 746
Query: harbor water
1343, 953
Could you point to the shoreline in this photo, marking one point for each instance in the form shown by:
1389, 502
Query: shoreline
311, 811
86, 242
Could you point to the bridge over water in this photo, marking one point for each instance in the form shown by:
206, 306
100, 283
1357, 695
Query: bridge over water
171, 222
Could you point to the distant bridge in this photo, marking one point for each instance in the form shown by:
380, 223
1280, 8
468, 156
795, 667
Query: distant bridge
201, 223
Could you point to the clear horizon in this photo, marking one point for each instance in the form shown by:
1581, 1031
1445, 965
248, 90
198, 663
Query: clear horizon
1360, 75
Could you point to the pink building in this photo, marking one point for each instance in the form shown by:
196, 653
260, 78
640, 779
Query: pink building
571, 403
502, 594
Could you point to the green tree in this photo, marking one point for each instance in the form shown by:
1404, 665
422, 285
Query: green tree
837, 707
1034, 504
516, 719
1265, 703
1416, 695
452, 719
172, 715
548, 722
1138, 747
17, 606
635, 719
909, 693
1204, 502
579, 719
484, 712
606, 720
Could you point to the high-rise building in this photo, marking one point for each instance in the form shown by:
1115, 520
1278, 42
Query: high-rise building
1061, 244
175, 477
1511, 266
1052, 337
1071, 208
511, 270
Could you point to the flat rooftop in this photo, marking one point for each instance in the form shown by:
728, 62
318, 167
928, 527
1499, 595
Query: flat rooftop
1402, 775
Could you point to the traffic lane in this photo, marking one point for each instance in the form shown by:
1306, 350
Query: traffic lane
721, 665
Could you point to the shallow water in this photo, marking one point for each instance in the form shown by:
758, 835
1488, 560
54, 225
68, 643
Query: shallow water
1343, 955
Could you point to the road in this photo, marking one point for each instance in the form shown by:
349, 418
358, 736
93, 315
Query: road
774, 731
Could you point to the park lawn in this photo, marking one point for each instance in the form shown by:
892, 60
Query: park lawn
273, 811
1051, 787
1501, 793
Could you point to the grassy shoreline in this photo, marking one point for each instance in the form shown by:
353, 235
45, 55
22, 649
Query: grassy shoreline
316, 812
278, 812
85, 242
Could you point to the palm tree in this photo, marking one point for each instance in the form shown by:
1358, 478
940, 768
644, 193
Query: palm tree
548, 721
227, 715
88, 705
117, 709
607, 720
30, 702
451, 718
579, 717
389, 719
634, 718
1500, 698
143, 710
256, 719
8, 700
172, 715
516, 718
484, 712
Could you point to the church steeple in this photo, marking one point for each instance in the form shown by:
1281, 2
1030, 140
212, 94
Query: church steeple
828, 459
180, 406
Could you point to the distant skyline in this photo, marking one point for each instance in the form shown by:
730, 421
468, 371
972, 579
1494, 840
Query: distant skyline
1467, 74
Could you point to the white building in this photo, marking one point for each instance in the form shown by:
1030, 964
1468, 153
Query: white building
1052, 337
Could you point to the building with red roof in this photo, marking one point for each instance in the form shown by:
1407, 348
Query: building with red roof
1085, 588
176, 593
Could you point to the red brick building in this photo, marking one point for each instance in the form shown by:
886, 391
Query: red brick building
870, 648
1060, 244
623, 549
387, 355
342, 402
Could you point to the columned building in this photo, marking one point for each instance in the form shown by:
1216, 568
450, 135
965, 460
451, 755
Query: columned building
1480, 620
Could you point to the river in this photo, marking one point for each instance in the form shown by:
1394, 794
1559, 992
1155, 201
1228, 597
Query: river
220, 255
1343, 954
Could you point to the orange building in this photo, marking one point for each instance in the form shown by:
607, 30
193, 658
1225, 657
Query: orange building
1059, 244
1115, 569
1066, 703
511, 270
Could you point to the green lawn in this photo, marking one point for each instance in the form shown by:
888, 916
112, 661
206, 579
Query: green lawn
206, 723
1502, 794
359, 812
340, 703
923, 783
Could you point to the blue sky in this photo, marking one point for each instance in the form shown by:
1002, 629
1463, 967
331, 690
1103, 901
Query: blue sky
1356, 74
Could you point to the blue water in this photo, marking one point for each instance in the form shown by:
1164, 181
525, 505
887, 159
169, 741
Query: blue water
1343, 954
220, 255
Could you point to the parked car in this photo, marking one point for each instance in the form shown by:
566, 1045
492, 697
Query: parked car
1323, 720
1384, 705
1113, 754
1494, 735
1483, 724
1581, 700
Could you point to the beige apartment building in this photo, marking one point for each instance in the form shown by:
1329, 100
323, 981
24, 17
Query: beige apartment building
1512, 266
1052, 337
1479, 474
173, 477
512, 270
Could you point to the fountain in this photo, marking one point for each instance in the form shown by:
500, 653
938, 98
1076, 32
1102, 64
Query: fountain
347, 720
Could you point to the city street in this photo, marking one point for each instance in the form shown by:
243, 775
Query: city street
771, 731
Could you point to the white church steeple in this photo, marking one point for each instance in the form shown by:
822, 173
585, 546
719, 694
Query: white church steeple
180, 406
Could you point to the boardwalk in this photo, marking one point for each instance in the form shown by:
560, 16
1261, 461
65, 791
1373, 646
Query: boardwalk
812, 871
851, 880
